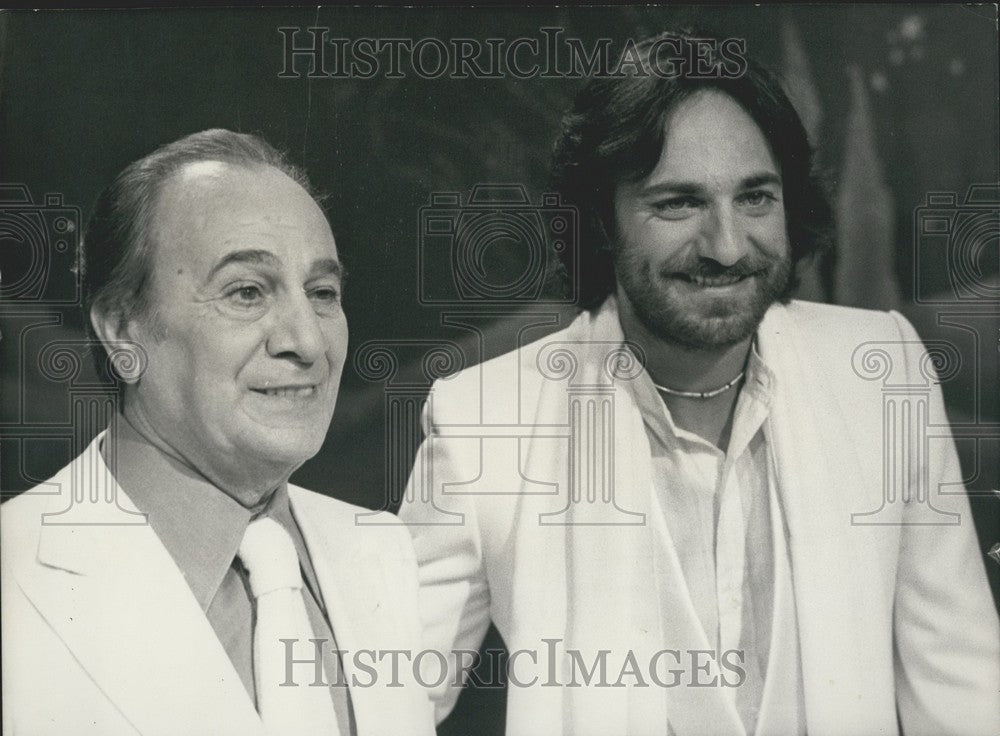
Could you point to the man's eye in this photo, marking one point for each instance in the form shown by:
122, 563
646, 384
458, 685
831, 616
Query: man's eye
676, 204
677, 208
758, 197
246, 295
325, 294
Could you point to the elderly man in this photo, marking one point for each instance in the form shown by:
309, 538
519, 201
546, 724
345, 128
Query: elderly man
238, 603
682, 512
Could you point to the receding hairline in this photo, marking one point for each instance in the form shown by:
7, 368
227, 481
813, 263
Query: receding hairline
215, 169
203, 172
219, 168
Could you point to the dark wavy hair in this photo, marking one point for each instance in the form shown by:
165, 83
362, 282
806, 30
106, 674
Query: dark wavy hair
116, 255
615, 131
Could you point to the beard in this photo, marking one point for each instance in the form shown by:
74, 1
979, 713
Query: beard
673, 308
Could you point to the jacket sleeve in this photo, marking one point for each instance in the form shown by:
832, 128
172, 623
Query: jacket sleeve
454, 594
947, 637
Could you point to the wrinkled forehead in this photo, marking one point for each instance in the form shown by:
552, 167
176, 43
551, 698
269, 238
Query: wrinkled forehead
207, 208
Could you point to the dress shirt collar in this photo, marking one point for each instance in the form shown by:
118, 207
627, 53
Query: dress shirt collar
753, 404
200, 525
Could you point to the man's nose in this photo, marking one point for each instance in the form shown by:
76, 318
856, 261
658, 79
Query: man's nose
722, 237
296, 332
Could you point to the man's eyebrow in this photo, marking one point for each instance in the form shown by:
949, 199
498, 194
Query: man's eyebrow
673, 187
761, 179
328, 267
321, 267
689, 187
251, 257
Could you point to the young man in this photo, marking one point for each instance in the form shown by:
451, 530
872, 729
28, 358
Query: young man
671, 533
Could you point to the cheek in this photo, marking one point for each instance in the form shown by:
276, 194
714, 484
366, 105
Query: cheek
771, 234
656, 240
336, 334
172, 364
219, 356
631, 231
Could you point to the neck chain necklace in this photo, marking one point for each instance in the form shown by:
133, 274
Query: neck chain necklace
700, 394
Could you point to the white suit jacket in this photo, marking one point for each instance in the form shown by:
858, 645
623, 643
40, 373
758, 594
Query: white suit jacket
103, 636
889, 587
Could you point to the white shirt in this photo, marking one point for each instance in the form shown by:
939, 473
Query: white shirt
719, 517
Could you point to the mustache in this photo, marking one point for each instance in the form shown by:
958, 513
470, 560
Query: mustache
708, 268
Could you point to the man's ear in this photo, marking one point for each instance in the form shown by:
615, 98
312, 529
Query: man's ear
118, 337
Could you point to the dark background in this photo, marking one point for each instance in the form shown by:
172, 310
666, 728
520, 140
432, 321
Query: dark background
83, 93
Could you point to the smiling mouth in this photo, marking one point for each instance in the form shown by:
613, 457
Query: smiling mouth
711, 281
287, 392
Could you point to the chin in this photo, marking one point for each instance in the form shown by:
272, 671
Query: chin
280, 447
292, 456
700, 333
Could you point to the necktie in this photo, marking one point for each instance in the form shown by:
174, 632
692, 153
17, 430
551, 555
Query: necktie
268, 553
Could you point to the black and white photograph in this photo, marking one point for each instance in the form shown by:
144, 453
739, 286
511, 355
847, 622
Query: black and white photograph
500, 370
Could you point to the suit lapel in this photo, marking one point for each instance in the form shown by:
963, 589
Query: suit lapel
354, 587
637, 600
781, 700
607, 556
115, 597
806, 431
